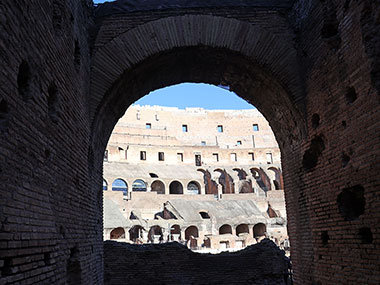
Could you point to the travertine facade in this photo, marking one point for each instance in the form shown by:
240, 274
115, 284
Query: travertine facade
168, 161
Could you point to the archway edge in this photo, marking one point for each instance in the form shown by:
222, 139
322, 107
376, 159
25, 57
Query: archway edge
274, 53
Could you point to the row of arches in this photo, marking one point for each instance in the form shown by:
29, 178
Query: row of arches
175, 187
156, 233
228, 184
244, 181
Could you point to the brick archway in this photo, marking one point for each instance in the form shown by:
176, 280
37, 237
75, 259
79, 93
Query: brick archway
143, 59
54, 123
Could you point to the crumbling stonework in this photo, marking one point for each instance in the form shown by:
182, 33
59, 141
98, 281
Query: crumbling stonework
173, 263
224, 164
294, 60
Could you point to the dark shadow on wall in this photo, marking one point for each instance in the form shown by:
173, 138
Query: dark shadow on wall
262, 263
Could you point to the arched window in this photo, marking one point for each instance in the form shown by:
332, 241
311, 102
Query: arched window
158, 186
259, 230
276, 177
191, 231
105, 185
117, 233
155, 234
139, 185
136, 233
120, 185
175, 232
175, 188
242, 229
225, 229
193, 188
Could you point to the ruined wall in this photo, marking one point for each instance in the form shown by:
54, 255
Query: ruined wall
332, 209
328, 167
51, 225
50, 221
172, 263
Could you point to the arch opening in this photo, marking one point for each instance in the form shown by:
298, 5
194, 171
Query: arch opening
139, 185
136, 234
120, 185
175, 233
191, 232
193, 188
242, 229
259, 230
225, 229
155, 234
207, 64
117, 233
158, 187
175, 187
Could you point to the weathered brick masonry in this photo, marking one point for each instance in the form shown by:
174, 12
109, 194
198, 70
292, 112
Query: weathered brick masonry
67, 75
50, 219
173, 263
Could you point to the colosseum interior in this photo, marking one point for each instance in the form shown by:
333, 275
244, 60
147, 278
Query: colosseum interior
208, 178
69, 71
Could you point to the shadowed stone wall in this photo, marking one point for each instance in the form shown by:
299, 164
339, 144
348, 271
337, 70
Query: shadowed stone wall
310, 68
50, 218
173, 263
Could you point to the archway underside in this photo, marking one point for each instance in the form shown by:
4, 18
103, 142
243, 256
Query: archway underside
203, 65
262, 79
215, 66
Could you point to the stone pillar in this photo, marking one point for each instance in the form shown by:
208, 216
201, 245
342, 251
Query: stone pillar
165, 235
126, 233
175, 237
106, 234
220, 192
144, 235
183, 234
203, 190
233, 230
235, 188
214, 229
250, 228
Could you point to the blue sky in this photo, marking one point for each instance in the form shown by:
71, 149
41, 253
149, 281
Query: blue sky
195, 95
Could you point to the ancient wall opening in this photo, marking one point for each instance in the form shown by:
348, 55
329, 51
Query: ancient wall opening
158, 186
311, 67
238, 73
283, 97
225, 229
175, 187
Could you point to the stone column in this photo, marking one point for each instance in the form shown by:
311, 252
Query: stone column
220, 192
165, 235
126, 233
250, 228
203, 190
144, 236
183, 234
233, 230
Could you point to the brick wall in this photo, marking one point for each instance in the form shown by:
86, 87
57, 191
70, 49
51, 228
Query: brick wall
313, 74
334, 224
50, 220
173, 263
